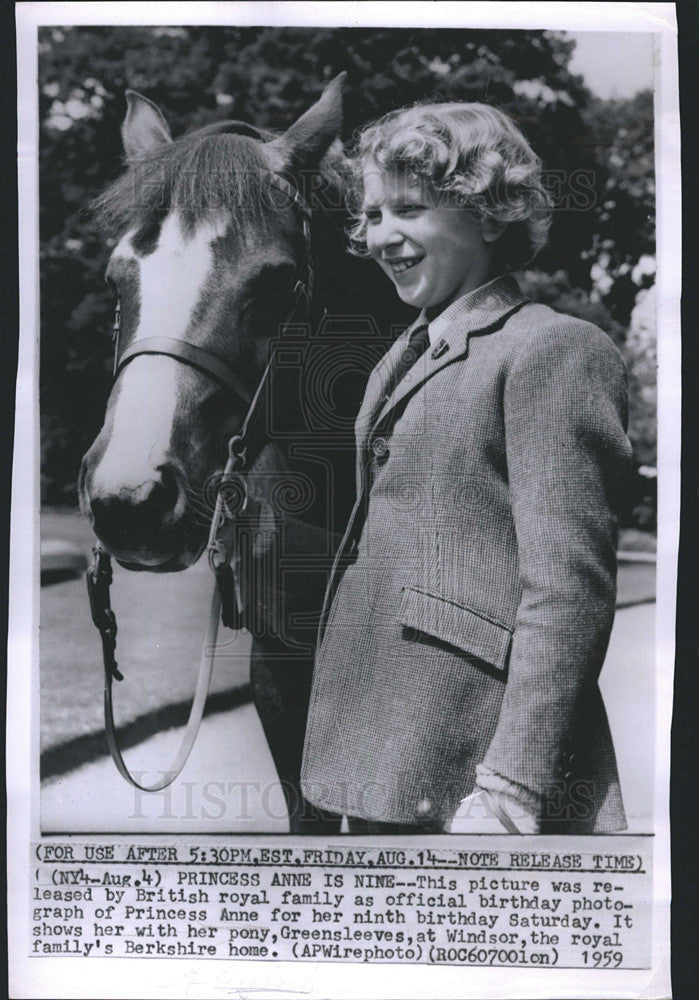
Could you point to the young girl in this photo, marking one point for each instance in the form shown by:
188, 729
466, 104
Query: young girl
470, 607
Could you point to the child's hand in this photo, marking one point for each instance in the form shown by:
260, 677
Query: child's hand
489, 812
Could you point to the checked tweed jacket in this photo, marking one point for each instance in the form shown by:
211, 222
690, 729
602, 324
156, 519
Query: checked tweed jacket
472, 598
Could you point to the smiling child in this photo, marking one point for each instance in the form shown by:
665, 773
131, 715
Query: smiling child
472, 599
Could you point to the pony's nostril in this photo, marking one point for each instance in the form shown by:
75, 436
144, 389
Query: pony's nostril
98, 509
153, 504
170, 491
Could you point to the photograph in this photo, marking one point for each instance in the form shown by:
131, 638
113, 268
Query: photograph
441, 543
351, 333
345, 501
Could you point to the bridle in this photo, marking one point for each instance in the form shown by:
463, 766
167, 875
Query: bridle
226, 603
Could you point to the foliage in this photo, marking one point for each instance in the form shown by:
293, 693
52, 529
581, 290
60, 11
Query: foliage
556, 291
598, 156
623, 248
641, 360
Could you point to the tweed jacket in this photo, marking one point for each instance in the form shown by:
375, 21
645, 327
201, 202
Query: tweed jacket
469, 609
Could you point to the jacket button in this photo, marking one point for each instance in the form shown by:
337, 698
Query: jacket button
380, 447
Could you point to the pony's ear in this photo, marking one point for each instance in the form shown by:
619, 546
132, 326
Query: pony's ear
306, 141
144, 129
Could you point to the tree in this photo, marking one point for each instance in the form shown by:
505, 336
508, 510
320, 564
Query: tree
623, 248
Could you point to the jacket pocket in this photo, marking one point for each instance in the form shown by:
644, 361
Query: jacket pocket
457, 625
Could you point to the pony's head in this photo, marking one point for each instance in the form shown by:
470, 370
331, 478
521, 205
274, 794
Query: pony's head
207, 252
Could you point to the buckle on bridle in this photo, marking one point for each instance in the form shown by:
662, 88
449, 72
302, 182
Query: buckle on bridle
99, 579
299, 294
237, 454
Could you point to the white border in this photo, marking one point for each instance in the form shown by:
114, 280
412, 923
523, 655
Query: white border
116, 978
584, 16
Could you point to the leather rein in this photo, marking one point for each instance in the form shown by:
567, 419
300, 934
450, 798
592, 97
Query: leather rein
226, 604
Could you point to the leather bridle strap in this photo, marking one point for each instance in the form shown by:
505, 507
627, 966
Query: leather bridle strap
197, 357
196, 712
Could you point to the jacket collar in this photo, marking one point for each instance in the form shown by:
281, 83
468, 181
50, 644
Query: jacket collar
478, 310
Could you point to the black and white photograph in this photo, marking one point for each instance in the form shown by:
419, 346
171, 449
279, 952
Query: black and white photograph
215, 199
349, 377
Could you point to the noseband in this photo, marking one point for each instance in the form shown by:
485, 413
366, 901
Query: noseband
224, 603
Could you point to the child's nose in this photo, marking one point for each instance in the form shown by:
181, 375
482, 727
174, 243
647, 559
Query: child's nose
386, 235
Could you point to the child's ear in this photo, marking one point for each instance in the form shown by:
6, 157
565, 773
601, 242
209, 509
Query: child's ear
493, 230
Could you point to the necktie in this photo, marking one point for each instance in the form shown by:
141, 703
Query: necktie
418, 343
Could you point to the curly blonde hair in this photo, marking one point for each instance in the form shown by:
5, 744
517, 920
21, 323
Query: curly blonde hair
472, 154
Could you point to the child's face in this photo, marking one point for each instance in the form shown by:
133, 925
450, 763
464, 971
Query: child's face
433, 252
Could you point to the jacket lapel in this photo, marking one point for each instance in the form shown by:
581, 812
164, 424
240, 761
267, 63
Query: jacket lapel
376, 392
452, 345
487, 306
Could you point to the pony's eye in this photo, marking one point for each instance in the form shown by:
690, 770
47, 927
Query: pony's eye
272, 283
269, 295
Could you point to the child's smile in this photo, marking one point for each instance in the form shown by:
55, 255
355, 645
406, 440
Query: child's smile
400, 265
403, 264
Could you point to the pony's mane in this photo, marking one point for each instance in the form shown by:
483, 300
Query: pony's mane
219, 166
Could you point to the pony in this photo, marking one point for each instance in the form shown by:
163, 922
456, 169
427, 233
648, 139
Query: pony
207, 252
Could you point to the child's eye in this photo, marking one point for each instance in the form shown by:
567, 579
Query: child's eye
409, 209
372, 216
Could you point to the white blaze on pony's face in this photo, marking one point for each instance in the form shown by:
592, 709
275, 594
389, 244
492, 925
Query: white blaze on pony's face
167, 285
138, 465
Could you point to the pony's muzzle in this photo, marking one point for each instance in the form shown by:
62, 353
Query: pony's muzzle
142, 523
